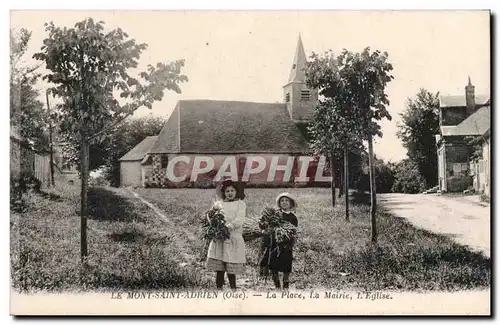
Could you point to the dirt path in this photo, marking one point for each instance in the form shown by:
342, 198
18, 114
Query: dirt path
466, 222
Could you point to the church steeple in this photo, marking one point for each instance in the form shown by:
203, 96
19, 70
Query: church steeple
299, 63
299, 99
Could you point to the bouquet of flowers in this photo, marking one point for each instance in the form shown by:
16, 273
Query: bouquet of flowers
213, 224
271, 221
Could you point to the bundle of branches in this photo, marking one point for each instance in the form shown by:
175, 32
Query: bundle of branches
251, 231
271, 221
213, 225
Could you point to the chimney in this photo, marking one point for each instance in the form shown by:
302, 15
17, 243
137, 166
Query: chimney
470, 100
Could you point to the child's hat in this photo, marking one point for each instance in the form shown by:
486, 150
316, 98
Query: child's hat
289, 196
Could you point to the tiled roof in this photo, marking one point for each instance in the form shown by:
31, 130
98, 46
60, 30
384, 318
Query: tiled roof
140, 150
459, 101
168, 139
476, 124
209, 126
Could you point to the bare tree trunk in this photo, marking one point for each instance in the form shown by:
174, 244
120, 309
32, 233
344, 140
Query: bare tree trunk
84, 161
341, 179
333, 167
346, 182
373, 190
51, 146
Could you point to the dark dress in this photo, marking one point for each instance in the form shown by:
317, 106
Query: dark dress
282, 256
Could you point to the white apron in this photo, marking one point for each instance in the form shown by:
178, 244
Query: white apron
231, 250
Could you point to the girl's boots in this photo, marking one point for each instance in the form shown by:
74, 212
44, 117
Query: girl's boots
276, 280
219, 280
232, 280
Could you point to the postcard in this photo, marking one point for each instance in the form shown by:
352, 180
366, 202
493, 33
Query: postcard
250, 162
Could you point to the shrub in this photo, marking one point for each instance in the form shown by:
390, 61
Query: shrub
19, 185
98, 181
459, 184
408, 178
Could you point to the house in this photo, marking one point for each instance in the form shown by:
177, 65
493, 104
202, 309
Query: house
221, 129
131, 170
462, 119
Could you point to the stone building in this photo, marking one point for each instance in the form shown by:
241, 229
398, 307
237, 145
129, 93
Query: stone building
461, 120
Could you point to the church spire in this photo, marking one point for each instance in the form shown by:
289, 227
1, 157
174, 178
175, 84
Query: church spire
299, 98
299, 63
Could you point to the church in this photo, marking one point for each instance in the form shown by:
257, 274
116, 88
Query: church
219, 129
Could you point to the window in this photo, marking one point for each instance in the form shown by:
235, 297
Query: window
305, 94
287, 97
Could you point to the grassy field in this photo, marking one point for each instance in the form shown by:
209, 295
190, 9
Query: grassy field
131, 247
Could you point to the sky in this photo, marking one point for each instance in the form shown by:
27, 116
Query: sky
247, 55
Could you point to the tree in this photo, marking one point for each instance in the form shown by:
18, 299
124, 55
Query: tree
407, 178
123, 139
368, 75
417, 130
26, 110
87, 67
329, 136
333, 128
354, 86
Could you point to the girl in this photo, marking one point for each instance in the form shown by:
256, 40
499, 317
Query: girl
229, 256
278, 258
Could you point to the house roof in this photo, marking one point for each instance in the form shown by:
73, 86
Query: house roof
210, 126
459, 101
476, 124
140, 150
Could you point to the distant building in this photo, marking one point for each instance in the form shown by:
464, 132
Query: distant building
132, 172
462, 121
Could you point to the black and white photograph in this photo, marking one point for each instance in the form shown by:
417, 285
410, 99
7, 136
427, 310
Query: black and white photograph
280, 162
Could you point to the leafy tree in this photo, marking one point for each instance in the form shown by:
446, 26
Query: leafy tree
408, 178
117, 142
353, 87
477, 148
333, 129
385, 175
329, 138
26, 110
123, 139
420, 124
87, 68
